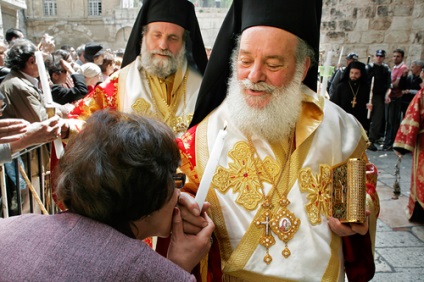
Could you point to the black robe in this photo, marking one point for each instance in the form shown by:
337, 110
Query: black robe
343, 97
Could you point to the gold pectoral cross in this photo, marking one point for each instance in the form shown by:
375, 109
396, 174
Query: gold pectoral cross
283, 223
353, 102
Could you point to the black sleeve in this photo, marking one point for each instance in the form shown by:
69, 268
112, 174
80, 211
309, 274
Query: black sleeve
63, 95
403, 83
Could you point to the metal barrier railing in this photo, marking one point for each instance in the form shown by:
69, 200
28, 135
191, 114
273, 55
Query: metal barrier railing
22, 168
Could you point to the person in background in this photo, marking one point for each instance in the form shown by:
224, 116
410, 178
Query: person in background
13, 34
108, 66
117, 62
270, 190
94, 53
59, 69
410, 139
3, 69
71, 51
410, 84
127, 191
161, 70
394, 100
92, 74
381, 74
353, 93
338, 74
80, 53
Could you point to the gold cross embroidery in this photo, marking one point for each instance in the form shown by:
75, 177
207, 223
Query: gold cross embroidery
318, 189
242, 177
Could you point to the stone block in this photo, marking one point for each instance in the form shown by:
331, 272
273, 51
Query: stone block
397, 37
336, 14
366, 12
401, 23
402, 10
418, 10
335, 35
372, 37
347, 25
354, 37
384, 11
380, 23
328, 26
362, 24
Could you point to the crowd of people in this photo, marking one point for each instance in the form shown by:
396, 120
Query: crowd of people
377, 95
141, 126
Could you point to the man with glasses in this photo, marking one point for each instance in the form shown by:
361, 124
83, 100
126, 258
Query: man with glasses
58, 70
381, 74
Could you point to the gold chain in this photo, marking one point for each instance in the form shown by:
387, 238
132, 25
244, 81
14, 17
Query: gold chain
354, 94
283, 223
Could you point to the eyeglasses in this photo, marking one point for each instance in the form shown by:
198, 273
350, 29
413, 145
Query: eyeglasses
380, 56
3, 106
179, 180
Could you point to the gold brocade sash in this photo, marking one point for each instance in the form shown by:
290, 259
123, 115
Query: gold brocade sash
165, 99
233, 261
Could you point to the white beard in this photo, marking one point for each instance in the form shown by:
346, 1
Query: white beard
273, 122
161, 67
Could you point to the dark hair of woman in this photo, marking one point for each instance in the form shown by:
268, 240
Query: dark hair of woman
118, 169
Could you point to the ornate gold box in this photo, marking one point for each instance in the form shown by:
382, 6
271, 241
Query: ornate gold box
348, 191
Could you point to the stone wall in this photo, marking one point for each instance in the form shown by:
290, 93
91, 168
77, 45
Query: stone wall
362, 26
367, 25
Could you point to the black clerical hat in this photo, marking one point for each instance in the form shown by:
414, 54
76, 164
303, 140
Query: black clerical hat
299, 17
91, 50
180, 12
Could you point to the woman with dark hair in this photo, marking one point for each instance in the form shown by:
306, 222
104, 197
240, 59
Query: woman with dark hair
116, 180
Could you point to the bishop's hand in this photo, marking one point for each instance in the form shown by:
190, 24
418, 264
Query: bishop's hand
343, 229
194, 220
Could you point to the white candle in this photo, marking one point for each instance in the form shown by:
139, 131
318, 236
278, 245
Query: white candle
370, 101
325, 76
340, 57
211, 167
48, 100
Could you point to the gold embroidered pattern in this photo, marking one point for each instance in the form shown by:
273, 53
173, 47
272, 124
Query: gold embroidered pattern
318, 189
141, 106
285, 224
181, 123
242, 177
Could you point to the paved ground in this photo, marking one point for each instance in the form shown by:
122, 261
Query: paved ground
399, 250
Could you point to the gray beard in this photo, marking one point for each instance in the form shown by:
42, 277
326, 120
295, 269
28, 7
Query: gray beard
275, 121
161, 67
